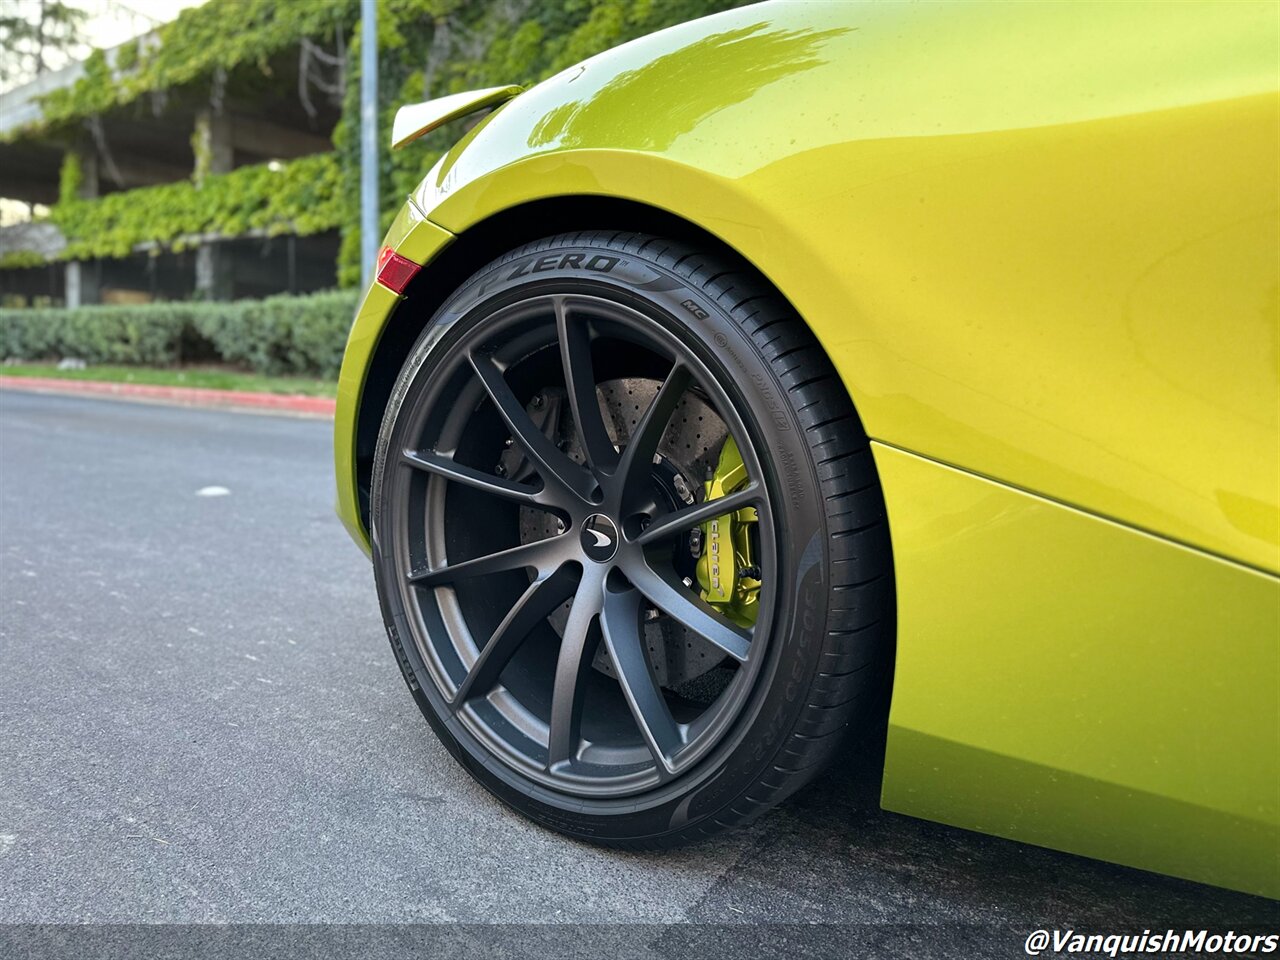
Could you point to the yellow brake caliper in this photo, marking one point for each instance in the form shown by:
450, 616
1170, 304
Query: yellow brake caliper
727, 570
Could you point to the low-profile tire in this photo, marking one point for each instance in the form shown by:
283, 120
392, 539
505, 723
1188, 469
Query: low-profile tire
537, 514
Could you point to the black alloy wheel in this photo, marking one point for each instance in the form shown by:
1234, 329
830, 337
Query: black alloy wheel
601, 645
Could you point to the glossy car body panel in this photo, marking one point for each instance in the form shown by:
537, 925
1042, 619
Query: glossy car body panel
412, 236
1074, 682
1039, 242
987, 203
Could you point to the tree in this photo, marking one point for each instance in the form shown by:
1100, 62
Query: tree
37, 35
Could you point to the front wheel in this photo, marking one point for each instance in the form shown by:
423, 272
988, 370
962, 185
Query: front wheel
628, 539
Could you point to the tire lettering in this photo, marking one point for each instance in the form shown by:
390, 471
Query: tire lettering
601, 264
791, 475
694, 309
761, 384
569, 261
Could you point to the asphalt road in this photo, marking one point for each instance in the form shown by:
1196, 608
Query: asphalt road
201, 721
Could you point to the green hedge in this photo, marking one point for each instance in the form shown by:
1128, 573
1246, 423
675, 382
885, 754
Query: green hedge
303, 335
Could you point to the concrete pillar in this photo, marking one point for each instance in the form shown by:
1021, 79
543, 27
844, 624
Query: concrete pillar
88, 174
215, 153
83, 283
213, 272
215, 146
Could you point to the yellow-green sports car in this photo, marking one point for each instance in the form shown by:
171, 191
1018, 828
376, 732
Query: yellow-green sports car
815, 366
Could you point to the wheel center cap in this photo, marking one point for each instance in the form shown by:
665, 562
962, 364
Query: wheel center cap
599, 538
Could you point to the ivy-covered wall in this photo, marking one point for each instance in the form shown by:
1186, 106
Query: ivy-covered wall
427, 48
301, 197
219, 35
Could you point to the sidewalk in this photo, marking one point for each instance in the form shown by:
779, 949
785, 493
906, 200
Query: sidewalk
181, 396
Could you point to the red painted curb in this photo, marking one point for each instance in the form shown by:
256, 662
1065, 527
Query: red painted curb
185, 396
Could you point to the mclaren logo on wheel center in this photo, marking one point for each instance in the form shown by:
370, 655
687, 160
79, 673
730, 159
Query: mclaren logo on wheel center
599, 538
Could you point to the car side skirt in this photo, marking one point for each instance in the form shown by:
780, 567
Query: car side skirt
1072, 682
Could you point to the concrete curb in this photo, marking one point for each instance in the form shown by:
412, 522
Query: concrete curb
181, 396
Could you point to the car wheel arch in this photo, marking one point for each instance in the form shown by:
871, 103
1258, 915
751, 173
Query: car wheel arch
480, 243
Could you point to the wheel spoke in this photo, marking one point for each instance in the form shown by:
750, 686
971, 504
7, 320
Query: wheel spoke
636, 464
676, 601
573, 666
513, 639
579, 377
673, 524
534, 605
623, 636
539, 554
551, 462
477, 479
